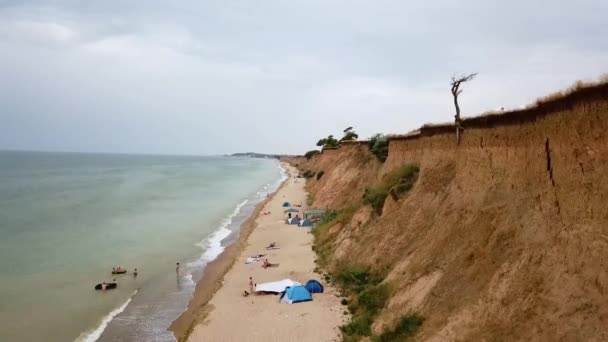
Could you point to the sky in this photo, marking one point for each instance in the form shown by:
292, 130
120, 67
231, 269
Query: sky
212, 77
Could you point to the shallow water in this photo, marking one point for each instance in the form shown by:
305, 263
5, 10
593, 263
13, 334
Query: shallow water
67, 219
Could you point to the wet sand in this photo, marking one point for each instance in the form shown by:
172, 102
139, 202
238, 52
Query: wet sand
219, 312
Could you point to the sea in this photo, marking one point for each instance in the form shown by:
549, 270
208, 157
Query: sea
66, 219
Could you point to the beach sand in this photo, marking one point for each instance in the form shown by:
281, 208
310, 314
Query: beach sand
229, 316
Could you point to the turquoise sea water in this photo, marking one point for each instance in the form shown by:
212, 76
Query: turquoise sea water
66, 219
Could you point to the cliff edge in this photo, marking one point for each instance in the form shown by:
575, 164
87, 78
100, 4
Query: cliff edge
502, 237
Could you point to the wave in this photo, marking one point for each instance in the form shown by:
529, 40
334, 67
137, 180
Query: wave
212, 245
95, 334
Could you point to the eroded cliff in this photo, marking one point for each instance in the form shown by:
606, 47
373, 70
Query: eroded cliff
502, 237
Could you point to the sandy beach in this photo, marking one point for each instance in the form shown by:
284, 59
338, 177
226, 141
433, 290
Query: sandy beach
229, 316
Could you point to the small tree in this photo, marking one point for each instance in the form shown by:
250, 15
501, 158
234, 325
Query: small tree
330, 141
456, 81
349, 134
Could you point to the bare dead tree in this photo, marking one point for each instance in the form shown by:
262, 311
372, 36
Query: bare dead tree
456, 81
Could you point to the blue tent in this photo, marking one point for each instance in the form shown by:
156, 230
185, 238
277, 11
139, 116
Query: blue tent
306, 223
286, 204
313, 286
293, 220
295, 294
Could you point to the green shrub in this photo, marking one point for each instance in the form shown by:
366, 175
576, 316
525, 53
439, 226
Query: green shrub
344, 301
328, 217
310, 154
373, 298
308, 174
320, 174
360, 325
400, 181
378, 145
376, 199
356, 278
407, 327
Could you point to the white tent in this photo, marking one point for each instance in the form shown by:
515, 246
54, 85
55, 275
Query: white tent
275, 286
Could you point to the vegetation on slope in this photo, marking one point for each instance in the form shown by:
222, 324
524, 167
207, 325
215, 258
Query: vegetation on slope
363, 287
378, 146
396, 183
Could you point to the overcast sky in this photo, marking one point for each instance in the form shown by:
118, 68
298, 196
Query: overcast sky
212, 77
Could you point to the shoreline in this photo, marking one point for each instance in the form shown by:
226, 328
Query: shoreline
227, 315
212, 276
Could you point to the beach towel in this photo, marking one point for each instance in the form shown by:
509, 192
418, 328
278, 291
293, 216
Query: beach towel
252, 260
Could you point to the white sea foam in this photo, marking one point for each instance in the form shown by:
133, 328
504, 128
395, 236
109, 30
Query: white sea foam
95, 334
212, 245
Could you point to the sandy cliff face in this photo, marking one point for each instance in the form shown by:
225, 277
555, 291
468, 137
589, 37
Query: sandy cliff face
504, 237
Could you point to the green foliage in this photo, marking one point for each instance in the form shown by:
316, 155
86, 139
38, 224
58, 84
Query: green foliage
356, 277
328, 217
349, 134
308, 174
344, 301
330, 141
368, 298
373, 298
359, 325
378, 145
400, 181
376, 199
407, 327
320, 174
311, 153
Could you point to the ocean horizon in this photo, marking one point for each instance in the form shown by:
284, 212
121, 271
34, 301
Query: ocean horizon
67, 218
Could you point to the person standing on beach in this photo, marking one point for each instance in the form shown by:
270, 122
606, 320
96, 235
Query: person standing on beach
251, 284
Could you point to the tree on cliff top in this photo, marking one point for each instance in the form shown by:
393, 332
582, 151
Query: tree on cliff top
456, 81
330, 141
349, 134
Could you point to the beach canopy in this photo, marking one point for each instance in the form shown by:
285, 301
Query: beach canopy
306, 223
286, 204
291, 210
275, 286
296, 294
313, 286
313, 212
293, 220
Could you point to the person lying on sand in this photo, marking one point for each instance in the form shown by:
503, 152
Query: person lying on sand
266, 263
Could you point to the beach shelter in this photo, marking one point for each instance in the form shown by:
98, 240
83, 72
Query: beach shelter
275, 286
293, 220
313, 286
286, 204
291, 210
306, 223
314, 212
295, 294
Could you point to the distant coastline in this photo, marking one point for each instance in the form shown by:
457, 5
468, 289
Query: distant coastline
257, 155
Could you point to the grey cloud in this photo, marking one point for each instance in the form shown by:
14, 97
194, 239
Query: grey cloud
209, 77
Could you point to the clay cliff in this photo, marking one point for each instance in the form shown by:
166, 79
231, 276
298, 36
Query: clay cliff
503, 237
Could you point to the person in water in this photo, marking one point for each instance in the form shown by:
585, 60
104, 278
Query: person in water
177, 268
135, 272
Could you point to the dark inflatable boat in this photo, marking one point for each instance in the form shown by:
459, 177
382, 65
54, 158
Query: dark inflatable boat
119, 272
109, 286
